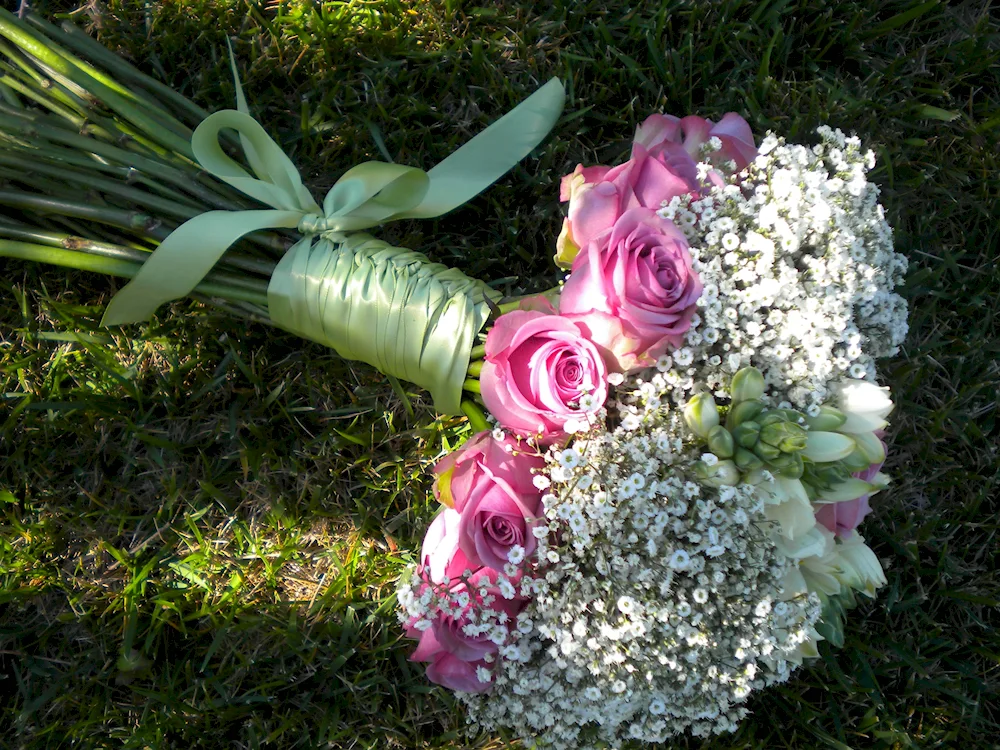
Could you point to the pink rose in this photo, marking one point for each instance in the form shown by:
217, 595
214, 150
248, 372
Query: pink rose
453, 673
640, 273
447, 655
490, 484
693, 132
441, 556
466, 634
599, 195
448, 633
456, 643
663, 165
542, 371
843, 518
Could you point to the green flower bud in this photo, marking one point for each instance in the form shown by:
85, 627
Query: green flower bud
827, 420
746, 460
767, 452
826, 447
857, 461
790, 465
791, 415
829, 475
747, 385
771, 416
720, 442
849, 489
871, 446
785, 436
743, 412
701, 414
722, 474
746, 434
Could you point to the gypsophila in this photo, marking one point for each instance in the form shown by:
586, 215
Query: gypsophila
683, 576
799, 272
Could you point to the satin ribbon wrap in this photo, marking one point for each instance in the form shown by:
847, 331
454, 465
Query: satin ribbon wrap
386, 306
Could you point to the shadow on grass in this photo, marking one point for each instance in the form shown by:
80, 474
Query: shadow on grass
200, 547
255, 679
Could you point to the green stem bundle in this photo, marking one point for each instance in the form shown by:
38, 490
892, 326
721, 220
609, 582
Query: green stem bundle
87, 142
97, 169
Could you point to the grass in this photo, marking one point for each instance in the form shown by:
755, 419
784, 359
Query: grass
201, 520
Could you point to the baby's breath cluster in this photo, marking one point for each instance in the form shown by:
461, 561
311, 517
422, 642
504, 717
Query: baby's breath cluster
798, 268
661, 607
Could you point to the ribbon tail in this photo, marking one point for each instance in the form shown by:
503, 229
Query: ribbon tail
492, 153
257, 163
183, 259
241, 100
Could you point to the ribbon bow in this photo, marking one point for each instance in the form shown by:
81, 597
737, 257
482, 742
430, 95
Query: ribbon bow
368, 194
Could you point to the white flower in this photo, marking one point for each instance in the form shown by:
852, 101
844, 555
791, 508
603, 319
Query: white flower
506, 588
569, 458
626, 605
861, 569
631, 422
515, 554
865, 404
680, 560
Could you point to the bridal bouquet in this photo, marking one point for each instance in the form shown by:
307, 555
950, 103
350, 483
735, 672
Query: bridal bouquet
659, 515
662, 517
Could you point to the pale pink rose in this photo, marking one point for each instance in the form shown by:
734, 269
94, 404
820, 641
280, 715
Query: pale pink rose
495, 518
447, 641
638, 272
511, 459
455, 674
441, 556
693, 132
448, 632
490, 485
843, 518
542, 371
599, 195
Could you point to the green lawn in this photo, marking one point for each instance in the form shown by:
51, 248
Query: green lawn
202, 520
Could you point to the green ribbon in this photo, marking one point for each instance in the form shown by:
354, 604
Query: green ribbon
369, 194
387, 306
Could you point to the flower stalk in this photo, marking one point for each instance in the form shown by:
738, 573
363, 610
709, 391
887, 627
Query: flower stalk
214, 285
